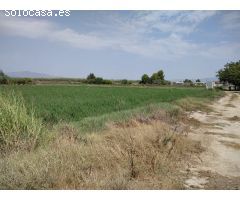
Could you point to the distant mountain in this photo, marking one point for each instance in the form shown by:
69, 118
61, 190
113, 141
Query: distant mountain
27, 74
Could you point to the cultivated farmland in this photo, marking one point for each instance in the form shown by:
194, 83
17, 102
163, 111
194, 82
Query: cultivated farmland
74, 103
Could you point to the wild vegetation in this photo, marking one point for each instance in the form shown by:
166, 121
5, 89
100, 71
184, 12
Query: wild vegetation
230, 74
99, 138
19, 127
141, 157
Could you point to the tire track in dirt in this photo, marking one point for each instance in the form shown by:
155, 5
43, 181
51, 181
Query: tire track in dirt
219, 165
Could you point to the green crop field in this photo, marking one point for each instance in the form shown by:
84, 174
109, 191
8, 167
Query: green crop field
74, 103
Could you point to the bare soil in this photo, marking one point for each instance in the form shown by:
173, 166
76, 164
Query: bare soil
218, 167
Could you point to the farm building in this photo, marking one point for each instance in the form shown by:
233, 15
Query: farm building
213, 84
210, 85
199, 83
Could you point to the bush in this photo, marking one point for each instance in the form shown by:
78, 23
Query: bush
98, 80
107, 82
20, 81
91, 76
124, 82
3, 78
145, 79
18, 128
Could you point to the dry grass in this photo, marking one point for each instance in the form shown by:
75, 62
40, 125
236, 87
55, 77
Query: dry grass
147, 156
193, 104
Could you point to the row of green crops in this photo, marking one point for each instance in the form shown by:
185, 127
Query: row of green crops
74, 103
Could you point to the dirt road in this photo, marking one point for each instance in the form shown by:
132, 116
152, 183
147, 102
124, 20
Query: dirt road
218, 167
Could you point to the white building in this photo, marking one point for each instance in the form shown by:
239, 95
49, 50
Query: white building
210, 85
213, 84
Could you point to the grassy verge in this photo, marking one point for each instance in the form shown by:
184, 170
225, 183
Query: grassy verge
124, 118
168, 112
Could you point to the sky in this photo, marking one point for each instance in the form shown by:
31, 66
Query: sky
121, 44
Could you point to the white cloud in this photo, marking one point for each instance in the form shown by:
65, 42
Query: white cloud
231, 20
223, 50
25, 28
133, 35
181, 22
78, 40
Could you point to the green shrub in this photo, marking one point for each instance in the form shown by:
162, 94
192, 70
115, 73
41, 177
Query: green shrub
124, 82
3, 78
107, 82
20, 81
19, 129
98, 80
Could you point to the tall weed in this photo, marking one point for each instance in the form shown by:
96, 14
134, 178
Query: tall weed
19, 129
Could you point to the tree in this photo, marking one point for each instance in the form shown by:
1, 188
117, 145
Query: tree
161, 75
98, 80
91, 76
188, 82
158, 78
3, 78
145, 79
124, 81
230, 74
198, 81
154, 77
1, 73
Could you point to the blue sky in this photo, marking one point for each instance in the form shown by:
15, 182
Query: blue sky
121, 44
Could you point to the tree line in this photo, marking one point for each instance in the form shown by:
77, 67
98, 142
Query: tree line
92, 79
156, 78
4, 79
230, 74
